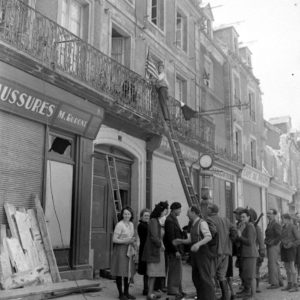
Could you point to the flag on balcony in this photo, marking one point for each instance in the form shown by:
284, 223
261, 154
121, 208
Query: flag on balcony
151, 69
188, 113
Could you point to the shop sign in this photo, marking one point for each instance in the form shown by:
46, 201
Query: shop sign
25, 102
222, 174
255, 177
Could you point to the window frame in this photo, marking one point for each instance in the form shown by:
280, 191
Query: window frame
252, 105
238, 147
161, 18
236, 96
208, 75
253, 152
183, 43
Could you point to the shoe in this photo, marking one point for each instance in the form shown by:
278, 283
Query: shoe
273, 286
145, 292
151, 297
123, 297
288, 287
130, 296
294, 288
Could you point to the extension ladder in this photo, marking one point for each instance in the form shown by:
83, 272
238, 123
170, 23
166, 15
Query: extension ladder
180, 165
114, 185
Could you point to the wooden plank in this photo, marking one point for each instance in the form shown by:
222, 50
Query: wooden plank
5, 266
16, 255
23, 224
22, 279
37, 239
47, 289
10, 211
46, 241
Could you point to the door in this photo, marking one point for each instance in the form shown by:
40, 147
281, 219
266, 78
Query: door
101, 222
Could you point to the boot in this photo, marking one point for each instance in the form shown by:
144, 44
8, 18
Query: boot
224, 289
288, 287
294, 288
257, 286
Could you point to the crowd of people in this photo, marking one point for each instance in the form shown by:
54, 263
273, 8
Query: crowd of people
211, 241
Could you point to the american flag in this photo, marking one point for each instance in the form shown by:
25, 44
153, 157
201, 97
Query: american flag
151, 69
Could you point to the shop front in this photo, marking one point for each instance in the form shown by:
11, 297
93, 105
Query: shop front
46, 139
254, 189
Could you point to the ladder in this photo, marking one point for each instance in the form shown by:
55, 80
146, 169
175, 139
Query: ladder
180, 165
114, 185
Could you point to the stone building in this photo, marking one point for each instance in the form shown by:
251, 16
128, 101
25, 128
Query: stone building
74, 91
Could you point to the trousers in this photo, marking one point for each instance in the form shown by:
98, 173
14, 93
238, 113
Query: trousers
273, 264
201, 274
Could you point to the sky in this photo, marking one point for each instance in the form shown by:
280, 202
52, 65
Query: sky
271, 30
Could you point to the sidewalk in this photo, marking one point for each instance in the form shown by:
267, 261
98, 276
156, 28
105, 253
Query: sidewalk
109, 289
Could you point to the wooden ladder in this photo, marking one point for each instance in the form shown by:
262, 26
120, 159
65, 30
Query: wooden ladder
189, 192
114, 185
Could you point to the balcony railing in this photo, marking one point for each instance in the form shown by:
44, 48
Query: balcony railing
224, 153
55, 47
52, 45
199, 129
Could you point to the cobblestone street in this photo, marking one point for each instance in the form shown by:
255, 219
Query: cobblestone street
109, 290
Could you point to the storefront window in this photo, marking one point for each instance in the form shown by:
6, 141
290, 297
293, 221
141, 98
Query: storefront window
59, 189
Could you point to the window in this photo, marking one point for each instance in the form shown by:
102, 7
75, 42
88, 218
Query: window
237, 92
253, 153
208, 73
238, 144
180, 92
157, 13
180, 89
59, 189
71, 14
251, 99
235, 45
181, 31
120, 47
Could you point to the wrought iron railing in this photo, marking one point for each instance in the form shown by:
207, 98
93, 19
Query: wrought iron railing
199, 129
55, 47
224, 153
52, 45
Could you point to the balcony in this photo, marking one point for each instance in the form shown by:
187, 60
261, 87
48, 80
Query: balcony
194, 130
59, 51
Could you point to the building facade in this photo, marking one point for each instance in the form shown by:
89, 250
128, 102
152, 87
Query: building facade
74, 90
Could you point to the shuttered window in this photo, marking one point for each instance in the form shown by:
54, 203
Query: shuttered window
21, 161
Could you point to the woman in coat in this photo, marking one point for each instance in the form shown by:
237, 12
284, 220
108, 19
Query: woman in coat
124, 245
154, 248
249, 254
142, 230
289, 241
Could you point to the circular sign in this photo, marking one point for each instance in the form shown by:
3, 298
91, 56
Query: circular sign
206, 161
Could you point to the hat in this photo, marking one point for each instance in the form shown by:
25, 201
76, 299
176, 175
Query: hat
175, 205
238, 210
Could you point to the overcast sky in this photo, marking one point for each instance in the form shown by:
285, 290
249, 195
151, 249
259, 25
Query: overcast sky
271, 29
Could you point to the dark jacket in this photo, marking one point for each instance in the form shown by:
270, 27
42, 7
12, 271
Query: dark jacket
142, 230
153, 243
290, 236
273, 233
224, 228
248, 241
172, 232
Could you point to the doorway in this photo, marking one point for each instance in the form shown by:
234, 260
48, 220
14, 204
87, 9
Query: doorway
102, 206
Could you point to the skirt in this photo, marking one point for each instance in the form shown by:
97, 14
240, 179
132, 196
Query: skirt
121, 265
249, 268
157, 269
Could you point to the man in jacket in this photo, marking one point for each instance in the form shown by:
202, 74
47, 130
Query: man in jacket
224, 227
174, 253
272, 241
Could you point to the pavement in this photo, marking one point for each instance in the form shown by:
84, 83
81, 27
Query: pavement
109, 289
